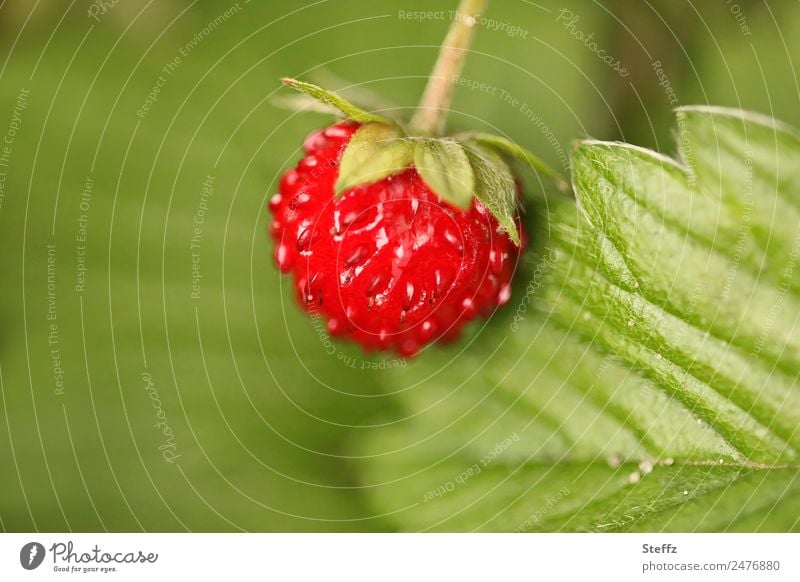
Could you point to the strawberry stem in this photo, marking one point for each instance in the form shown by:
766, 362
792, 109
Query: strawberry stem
432, 112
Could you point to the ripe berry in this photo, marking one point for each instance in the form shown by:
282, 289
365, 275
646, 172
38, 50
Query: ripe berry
388, 264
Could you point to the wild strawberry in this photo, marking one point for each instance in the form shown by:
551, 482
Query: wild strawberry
389, 264
396, 235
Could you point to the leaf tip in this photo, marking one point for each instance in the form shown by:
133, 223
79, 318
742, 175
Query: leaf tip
578, 144
340, 187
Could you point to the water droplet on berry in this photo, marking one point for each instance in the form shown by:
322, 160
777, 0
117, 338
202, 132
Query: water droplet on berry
426, 330
275, 203
454, 240
468, 307
504, 295
496, 261
305, 238
308, 163
300, 199
337, 132
377, 283
284, 258
442, 282
383, 337
316, 141
408, 348
356, 256
310, 290
349, 218
336, 327
289, 182
409, 296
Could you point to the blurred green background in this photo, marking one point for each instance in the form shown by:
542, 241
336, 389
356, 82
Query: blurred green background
260, 416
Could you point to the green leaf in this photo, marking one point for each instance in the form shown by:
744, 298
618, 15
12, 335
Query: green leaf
223, 348
517, 152
645, 375
334, 100
303, 102
445, 168
495, 187
374, 152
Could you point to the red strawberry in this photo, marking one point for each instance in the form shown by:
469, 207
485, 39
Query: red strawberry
396, 234
389, 264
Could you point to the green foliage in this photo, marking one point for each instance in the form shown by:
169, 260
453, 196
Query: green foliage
262, 413
375, 151
648, 379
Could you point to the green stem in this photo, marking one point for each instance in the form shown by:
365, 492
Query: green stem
432, 112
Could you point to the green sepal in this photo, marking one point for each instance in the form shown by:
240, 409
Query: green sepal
445, 168
495, 187
508, 148
375, 151
334, 100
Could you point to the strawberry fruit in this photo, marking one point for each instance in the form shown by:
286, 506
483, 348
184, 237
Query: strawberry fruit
397, 235
389, 264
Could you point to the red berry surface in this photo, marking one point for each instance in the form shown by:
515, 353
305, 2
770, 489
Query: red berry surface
389, 264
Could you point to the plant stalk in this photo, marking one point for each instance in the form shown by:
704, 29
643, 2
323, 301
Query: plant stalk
432, 112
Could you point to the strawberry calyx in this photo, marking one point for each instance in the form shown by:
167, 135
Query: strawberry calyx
457, 168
